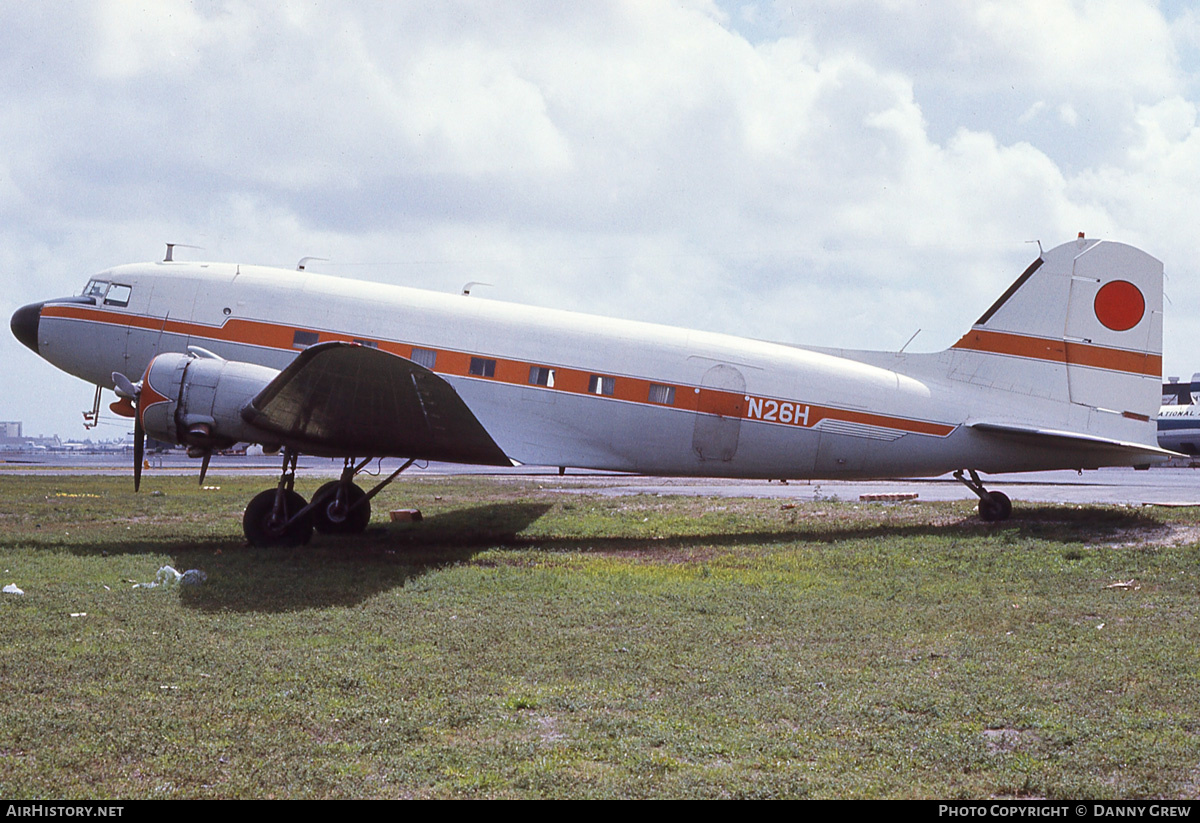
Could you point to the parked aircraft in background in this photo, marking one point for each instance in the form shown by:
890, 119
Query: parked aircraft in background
1063, 371
1179, 417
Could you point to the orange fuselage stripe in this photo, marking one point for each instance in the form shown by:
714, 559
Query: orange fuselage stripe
1062, 351
514, 372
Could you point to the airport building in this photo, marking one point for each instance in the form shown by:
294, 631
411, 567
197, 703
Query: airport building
12, 438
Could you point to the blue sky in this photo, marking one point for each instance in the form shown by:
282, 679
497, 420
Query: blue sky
834, 173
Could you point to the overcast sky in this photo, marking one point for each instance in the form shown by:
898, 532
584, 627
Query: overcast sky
827, 172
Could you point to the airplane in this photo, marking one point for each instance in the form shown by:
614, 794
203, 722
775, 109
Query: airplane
1179, 417
1061, 372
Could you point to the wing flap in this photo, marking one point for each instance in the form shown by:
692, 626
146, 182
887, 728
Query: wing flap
346, 399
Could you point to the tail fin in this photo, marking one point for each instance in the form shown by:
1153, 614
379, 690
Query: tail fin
1081, 328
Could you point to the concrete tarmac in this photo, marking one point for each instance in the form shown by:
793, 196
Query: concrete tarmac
1159, 486
1174, 487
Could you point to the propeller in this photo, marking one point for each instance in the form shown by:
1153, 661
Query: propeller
204, 465
129, 391
132, 396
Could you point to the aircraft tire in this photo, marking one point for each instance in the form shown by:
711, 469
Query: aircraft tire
995, 507
257, 526
328, 520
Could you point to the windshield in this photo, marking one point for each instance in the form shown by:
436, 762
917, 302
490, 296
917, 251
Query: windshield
113, 294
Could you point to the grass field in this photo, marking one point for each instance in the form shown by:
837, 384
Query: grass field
519, 643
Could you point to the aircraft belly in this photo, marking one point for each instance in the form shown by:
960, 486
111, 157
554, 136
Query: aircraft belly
1186, 441
844, 455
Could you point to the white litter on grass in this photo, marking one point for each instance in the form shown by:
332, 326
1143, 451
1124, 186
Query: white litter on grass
168, 576
11, 588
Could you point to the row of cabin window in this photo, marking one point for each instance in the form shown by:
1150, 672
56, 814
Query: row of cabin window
302, 339
597, 383
538, 375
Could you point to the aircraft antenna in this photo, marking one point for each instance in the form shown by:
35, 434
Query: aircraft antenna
304, 262
466, 289
171, 250
1039, 244
905, 346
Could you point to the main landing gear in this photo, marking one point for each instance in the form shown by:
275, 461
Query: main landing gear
281, 517
993, 506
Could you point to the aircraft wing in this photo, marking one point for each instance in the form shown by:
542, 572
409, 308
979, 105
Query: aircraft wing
1065, 439
344, 399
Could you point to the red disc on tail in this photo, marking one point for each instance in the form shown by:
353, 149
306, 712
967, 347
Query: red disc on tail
1119, 305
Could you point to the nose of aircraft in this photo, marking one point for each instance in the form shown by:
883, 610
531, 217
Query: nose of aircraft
24, 324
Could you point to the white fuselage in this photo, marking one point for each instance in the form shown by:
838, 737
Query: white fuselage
1179, 428
559, 388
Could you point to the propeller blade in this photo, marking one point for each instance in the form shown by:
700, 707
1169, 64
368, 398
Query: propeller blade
139, 449
204, 465
124, 386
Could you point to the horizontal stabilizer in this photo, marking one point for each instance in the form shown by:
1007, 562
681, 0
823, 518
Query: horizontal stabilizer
344, 399
1051, 438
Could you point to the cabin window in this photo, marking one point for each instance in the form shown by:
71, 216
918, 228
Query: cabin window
424, 357
482, 367
541, 376
598, 384
370, 344
118, 295
662, 394
303, 339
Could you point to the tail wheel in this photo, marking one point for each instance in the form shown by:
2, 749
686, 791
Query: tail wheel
347, 516
262, 528
994, 506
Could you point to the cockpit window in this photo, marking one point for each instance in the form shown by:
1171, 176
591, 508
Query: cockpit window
112, 294
118, 295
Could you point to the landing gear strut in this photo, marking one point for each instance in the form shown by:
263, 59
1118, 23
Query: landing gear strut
280, 516
341, 507
993, 506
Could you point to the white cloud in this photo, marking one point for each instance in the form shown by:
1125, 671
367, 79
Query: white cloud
824, 172
1033, 111
164, 37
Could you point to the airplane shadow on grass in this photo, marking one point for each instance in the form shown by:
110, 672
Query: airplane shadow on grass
344, 571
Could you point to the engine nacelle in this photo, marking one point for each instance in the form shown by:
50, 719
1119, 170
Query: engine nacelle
198, 400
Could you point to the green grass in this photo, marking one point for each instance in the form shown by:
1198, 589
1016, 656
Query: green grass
524, 643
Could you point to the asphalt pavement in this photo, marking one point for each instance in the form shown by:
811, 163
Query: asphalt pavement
1158, 486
